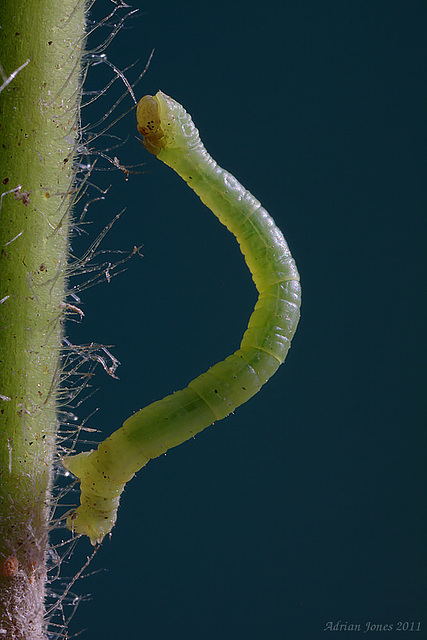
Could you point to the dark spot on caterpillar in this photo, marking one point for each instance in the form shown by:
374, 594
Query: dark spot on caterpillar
6, 180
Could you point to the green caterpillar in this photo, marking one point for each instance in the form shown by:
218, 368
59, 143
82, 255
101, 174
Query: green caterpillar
169, 133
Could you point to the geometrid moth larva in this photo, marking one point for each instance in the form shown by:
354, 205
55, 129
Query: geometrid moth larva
169, 133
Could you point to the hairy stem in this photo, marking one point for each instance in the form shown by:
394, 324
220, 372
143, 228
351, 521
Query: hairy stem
39, 111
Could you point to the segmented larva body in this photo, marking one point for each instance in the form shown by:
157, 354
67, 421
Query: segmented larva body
170, 134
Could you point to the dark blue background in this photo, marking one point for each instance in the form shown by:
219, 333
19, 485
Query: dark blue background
305, 506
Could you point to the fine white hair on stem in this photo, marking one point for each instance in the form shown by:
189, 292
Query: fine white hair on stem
8, 79
96, 149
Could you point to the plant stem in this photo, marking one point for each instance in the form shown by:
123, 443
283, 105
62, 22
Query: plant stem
39, 120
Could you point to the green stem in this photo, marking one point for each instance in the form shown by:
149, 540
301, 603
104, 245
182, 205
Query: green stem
39, 127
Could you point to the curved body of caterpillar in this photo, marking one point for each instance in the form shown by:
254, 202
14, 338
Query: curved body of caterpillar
170, 134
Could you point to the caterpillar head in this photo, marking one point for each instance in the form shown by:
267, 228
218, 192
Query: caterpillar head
148, 119
155, 122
